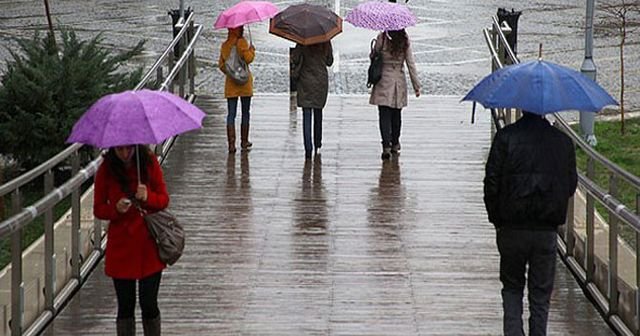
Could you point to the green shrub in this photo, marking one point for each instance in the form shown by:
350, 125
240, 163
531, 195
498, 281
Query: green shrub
48, 85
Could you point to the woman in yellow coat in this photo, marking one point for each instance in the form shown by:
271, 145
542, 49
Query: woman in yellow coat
233, 90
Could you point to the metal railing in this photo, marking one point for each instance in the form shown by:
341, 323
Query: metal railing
181, 73
616, 296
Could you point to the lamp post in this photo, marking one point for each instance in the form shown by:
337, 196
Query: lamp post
588, 68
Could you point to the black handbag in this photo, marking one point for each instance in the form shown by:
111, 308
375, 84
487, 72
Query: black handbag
374, 73
168, 234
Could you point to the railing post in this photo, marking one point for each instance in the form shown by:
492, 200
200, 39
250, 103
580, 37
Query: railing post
183, 73
569, 237
589, 249
494, 38
159, 78
75, 220
49, 251
17, 285
638, 269
613, 251
192, 60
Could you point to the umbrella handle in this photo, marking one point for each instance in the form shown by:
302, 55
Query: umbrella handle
138, 162
250, 39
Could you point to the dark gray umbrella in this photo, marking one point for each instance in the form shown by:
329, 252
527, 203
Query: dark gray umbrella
306, 24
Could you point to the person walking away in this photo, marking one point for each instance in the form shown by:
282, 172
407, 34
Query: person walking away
390, 93
530, 176
309, 69
233, 90
132, 255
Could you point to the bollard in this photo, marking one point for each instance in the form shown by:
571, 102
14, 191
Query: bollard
175, 16
512, 20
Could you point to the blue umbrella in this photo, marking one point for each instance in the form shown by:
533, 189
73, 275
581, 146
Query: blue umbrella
540, 87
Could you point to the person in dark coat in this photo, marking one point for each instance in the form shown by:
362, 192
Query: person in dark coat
131, 257
530, 176
309, 70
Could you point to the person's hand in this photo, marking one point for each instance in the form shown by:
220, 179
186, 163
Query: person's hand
141, 193
123, 205
418, 93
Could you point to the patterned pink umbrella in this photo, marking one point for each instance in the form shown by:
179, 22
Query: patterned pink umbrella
381, 16
245, 12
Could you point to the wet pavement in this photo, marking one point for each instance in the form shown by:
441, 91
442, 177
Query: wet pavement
450, 50
344, 244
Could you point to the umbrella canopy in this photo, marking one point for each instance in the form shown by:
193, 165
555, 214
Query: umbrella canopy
135, 117
306, 24
540, 87
381, 16
245, 12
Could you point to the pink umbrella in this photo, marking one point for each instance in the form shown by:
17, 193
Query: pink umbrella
245, 12
381, 16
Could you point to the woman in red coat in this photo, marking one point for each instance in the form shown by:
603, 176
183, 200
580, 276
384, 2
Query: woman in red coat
132, 254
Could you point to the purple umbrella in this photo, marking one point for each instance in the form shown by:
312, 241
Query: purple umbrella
381, 16
135, 117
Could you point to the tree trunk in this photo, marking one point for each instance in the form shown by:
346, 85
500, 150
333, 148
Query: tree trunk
48, 13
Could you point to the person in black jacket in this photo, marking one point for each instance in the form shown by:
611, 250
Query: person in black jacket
530, 176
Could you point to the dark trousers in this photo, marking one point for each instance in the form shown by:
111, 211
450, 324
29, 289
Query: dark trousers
232, 108
317, 128
147, 292
390, 121
519, 249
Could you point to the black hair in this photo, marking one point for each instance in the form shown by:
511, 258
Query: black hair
118, 170
399, 41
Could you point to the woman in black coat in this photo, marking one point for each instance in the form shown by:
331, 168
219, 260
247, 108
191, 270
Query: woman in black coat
309, 69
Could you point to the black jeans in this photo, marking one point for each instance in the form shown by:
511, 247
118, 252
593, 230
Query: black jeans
519, 248
148, 293
317, 128
390, 122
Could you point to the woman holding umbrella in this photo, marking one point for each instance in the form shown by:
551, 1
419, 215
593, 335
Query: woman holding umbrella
390, 93
234, 90
312, 27
128, 182
131, 254
312, 79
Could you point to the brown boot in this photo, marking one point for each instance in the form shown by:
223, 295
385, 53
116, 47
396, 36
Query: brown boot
126, 327
151, 327
244, 137
231, 138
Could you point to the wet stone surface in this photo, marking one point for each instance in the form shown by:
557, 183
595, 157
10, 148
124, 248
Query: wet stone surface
343, 244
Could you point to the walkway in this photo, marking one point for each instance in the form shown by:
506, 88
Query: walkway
341, 245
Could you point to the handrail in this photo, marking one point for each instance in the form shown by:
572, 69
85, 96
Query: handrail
23, 216
627, 176
167, 51
37, 171
624, 318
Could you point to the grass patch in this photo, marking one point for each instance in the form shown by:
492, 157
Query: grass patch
623, 151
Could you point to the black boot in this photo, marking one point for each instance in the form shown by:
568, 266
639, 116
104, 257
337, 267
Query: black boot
151, 327
126, 327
